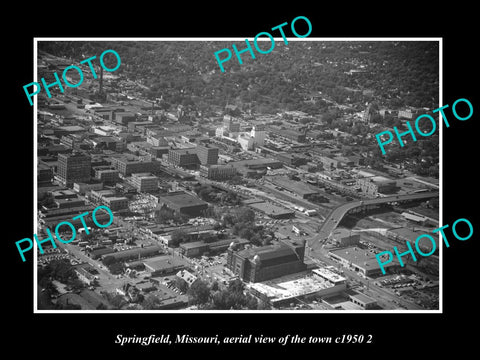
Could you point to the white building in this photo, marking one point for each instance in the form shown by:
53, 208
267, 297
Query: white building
219, 132
258, 135
246, 141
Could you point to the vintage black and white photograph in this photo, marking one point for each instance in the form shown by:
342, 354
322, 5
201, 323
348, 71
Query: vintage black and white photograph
225, 175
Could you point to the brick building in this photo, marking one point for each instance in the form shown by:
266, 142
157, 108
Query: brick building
267, 262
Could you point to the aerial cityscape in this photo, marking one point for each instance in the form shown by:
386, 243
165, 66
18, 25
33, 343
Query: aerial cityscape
260, 188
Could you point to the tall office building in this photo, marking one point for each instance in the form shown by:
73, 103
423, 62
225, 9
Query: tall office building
144, 182
207, 154
73, 168
230, 124
258, 134
186, 158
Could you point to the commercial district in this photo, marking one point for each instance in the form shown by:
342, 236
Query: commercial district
225, 208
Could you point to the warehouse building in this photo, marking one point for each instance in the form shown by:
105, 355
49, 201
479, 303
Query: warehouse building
374, 185
182, 203
273, 211
162, 265
292, 288
135, 253
361, 260
197, 248
295, 187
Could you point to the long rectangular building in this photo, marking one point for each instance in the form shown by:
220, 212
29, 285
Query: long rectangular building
296, 187
360, 260
135, 253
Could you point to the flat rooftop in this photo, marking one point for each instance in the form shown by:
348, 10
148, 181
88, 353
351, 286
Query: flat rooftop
361, 258
411, 235
362, 298
72, 128
144, 175
329, 275
257, 162
182, 199
190, 150
291, 286
164, 262
271, 209
294, 186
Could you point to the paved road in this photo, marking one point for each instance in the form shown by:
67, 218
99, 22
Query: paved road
106, 280
334, 218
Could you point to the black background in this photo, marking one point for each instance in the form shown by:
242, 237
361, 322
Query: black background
94, 334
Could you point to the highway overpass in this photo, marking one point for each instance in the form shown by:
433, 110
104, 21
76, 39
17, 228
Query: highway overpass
337, 214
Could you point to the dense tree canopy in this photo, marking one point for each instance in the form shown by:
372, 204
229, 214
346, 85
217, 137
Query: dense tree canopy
397, 73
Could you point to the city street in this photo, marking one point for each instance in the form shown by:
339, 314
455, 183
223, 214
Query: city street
107, 281
390, 300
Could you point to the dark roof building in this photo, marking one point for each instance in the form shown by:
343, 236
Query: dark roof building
186, 158
296, 187
267, 262
73, 168
162, 265
136, 253
183, 203
251, 167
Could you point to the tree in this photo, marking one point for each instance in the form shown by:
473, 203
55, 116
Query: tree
236, 286
116, 268
151, 302
205, 194
68, 306
215, 286
181, 284
118, 301
47, 200
62, 271
433, 203
233, 298
180, 218
262, 305
87, 237
245, 232
317, 198
77, 284
228, 220
178, 236
245, 215
109, 260
198, 293
165, 214
236, 180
